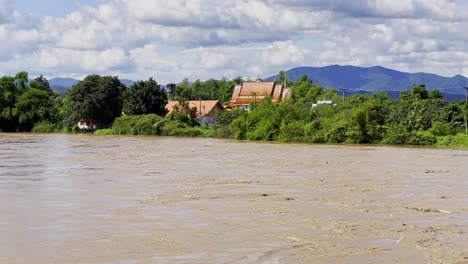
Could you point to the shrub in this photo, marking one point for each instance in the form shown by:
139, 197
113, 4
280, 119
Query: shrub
107, 131
396, 135
421, 138
46, 127
440, 129
460, 141
292, 132
180, 129
137, 125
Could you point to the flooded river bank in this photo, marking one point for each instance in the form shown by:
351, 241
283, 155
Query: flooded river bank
88, 199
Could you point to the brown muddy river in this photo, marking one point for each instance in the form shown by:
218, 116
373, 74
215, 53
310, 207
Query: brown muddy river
88, 199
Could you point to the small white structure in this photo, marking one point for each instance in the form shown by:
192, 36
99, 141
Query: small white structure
326, 102
87, 123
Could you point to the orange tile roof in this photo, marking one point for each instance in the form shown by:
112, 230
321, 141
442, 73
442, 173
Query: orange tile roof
249, 100
251, 92
257, 88
236, 92
204, 107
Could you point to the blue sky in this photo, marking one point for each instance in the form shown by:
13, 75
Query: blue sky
50, 7
201, 39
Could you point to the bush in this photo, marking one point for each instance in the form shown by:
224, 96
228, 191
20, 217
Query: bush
440, 129
292, 132
46, 127
217, 132
180, 129
137, 125
399, 136
421, 138
396, 135
107, 131
460, 141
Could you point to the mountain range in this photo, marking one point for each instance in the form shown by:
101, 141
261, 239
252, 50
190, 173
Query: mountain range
356, 80
364, 80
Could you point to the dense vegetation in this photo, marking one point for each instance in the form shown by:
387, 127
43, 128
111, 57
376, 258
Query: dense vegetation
420, 117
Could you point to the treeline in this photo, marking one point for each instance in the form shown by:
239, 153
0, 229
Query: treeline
25, 103
420, 117
212, 89
31, 105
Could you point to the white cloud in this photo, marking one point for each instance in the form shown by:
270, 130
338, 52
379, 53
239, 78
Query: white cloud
170, 40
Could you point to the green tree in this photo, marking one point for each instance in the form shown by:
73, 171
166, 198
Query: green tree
144, 97
40, 83
98, 98
183, 113
21, 79
419, 92
33, 106
435, 94
183, 91
224, 91
8, 94
281, 77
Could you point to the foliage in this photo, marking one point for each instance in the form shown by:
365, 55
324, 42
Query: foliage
98, 98
459, 141
33, 106
46, 127
105, 131
420, 117
210, 90
144, 97
138, 125
24, 103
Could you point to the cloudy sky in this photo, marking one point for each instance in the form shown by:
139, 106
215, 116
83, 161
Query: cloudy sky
200, 39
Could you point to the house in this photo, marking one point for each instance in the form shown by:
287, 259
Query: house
206, 109
254, 92
87, 123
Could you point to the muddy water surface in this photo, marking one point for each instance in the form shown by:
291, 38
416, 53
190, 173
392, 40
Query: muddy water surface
86, 199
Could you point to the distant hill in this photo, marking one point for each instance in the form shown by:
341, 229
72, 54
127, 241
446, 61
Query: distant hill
63, 82
376, 79
127, 82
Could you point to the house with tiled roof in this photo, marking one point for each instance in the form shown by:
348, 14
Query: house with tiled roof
206, 109
254, 92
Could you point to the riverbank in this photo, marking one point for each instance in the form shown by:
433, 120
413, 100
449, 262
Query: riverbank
158, 126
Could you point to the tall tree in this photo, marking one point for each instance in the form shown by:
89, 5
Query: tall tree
33, 106
183, 91
21, 79
144, 97
41, 83
8, 94
98, 98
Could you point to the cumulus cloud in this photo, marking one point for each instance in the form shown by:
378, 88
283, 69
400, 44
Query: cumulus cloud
170, 40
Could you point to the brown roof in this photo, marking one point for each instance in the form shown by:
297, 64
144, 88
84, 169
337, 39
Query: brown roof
256, 91
257, 88
236, 92
249, 100
204, 107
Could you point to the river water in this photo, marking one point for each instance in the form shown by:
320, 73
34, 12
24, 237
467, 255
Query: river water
103, 199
